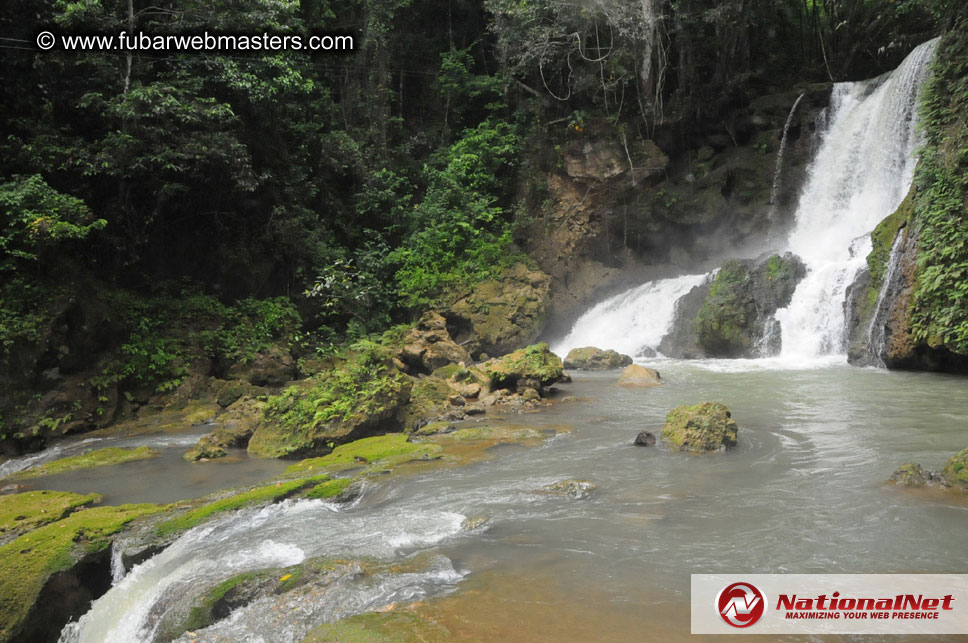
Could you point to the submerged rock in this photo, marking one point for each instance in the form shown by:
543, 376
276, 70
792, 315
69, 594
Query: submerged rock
645, 439
635, 376
702, 428
577, 489
590, 358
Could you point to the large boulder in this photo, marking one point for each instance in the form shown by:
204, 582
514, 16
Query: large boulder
273, 366
362, 395
501, 315
233, 430
536, 366
429, 346
702, 428
590, 358
635, 376
733, 315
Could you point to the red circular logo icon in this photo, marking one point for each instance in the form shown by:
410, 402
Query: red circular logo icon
740, 604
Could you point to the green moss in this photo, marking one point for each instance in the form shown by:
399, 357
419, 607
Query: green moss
362, 393
380, 627
700, 428
392, 447
429, 397
22, 512
956, 469
535, 362
724, 321
202, 615
27, 562
329, 488
96, 458
265, 494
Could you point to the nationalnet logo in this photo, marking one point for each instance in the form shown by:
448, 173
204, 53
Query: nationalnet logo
740, 604
830, 604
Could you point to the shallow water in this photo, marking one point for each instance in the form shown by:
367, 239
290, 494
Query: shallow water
166, 478
804, 491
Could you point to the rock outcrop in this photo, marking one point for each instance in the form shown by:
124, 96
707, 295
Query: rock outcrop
733, 315
534, 367
362, 395
590, 358
429, 346
707, 427
501, 315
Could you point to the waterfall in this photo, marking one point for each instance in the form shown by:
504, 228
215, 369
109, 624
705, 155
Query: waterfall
632, 322
876, 332
861, 173
775, 189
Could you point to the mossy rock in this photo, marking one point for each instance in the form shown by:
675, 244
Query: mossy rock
535, 362
234, 430
27, 562
22, 512
501, 315
429, 398
364, 394
88, 460
956, 470
590, 358
380, 450
910, 474
740, 304
380, 627
702, 428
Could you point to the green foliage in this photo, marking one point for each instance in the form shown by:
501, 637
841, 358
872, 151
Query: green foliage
723, 322
35, 219
459, 234
361, 389
940, 307
167, 331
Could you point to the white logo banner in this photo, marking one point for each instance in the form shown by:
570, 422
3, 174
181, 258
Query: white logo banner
830, 603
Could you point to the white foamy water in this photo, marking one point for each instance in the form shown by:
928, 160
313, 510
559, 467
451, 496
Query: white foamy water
860, 175
276, 536
631, 321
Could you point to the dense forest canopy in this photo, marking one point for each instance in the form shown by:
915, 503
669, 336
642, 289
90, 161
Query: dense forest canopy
370, 184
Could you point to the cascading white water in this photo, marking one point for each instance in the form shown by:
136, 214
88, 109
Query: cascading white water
631, 321
860, 175
276, 536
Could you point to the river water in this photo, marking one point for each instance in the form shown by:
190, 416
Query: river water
804, 491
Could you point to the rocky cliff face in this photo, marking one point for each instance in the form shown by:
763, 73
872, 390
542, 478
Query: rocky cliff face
611, 210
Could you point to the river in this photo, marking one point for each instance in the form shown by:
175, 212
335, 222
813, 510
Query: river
805, 490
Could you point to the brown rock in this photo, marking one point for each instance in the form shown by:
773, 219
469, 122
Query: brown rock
635, 376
